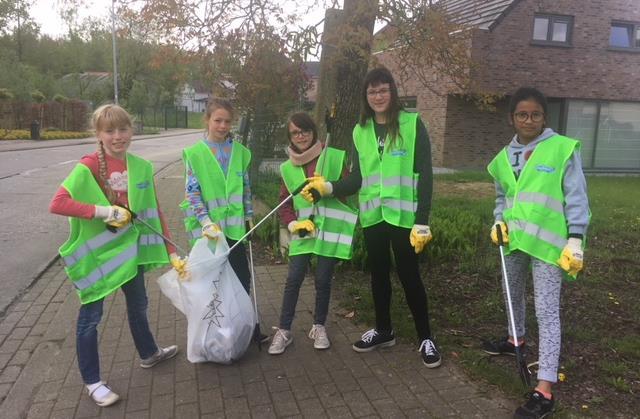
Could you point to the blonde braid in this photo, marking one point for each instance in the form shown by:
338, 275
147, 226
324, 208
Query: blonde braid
102, 169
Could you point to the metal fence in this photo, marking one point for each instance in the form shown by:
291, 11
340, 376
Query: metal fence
166, 117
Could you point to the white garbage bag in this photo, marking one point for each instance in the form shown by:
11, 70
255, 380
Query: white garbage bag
220, 315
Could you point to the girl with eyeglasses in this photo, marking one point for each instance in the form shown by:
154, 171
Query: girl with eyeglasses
392, 173
543, 212
324, 229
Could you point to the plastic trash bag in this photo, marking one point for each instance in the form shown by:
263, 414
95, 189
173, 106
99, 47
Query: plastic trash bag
220, 315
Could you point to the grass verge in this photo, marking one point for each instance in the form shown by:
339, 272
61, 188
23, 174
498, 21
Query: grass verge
600, 311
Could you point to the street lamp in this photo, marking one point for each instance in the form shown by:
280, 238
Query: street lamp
115, 59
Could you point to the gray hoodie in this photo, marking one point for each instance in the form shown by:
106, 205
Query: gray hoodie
574, 185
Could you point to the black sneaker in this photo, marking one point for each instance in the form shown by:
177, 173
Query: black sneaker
430, 355
373, 339
537, 407
502, 347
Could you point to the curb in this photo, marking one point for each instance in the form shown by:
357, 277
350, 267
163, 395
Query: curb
92, 140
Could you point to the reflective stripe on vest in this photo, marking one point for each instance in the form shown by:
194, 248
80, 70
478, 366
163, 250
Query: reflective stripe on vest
222, 194
152, 251
97, 261
534, 203
94, 243
389, 186
335, 222
106, 268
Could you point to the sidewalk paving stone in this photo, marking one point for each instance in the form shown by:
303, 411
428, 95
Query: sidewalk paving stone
39, 377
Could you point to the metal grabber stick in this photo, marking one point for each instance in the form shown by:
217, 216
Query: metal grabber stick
525, 374
256, 330
248, 233
329, 117
135, 217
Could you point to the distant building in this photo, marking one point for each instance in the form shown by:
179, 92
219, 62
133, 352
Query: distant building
312, 71
193, 96
584, 55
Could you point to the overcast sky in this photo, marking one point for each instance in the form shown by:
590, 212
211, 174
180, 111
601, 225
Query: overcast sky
45, 13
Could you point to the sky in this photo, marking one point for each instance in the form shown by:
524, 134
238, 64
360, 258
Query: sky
45, 13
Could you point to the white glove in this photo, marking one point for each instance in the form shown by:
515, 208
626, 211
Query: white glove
113, 215
210, 229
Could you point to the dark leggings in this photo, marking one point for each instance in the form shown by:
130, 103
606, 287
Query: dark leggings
240, 264
377, 238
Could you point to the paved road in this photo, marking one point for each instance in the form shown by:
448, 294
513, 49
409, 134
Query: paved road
30, 173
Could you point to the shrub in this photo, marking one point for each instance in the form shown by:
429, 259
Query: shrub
23, 134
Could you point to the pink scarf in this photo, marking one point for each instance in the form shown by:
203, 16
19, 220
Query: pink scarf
300, 159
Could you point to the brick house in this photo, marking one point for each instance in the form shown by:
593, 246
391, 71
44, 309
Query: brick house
584, 55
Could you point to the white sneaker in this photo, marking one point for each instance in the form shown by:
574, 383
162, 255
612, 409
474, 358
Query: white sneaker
161, 355
319, 335
102, 394
281, 339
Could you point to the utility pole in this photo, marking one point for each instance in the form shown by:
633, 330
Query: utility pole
115, 54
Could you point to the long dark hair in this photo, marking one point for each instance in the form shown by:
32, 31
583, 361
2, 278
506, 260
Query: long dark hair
303, 121
376, 77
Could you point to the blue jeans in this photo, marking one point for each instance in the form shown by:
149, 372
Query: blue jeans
89, 317
298, 265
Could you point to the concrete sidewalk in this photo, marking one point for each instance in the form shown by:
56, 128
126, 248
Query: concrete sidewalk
39, 376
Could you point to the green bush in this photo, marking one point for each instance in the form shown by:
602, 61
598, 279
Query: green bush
23, 134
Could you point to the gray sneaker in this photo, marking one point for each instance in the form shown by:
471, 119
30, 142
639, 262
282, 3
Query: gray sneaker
161, 355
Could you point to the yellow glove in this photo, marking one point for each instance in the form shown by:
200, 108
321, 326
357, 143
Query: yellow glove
296, 226
211, 230
420, 236
113, 215
503, 229
572, 257
180, 265
319, 184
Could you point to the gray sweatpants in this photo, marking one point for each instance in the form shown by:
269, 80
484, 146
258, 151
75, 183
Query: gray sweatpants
547, 282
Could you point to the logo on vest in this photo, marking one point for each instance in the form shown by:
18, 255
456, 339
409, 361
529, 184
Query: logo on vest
398, 153
545, 168
143, 185
240, 174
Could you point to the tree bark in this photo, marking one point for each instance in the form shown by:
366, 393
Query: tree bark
346, 49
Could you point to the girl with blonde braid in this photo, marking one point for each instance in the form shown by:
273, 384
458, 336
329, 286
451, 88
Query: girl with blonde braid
105, 250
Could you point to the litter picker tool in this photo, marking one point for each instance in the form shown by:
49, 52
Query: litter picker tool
135, 217
248, 233
525, 374
329, 117
256, 330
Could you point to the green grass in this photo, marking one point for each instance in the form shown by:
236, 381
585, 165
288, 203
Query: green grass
464, 176
460, 268
195, 120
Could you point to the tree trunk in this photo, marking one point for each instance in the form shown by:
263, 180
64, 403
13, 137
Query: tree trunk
346, 48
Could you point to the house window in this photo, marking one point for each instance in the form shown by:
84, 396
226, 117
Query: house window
409, 103
609, 132
625, 35
552, 29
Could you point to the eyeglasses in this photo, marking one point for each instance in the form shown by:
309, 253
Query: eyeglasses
381, 92
299, 133
534, 116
